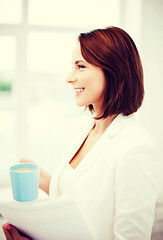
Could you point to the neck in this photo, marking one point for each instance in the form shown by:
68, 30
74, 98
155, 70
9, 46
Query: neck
102, 124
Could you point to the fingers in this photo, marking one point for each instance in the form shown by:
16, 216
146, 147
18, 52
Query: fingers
24, 160
14, 232
11, 232
6, 232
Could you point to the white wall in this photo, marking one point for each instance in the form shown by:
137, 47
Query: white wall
152, 36
143, 20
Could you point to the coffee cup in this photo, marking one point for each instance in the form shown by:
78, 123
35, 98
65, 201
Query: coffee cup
25, 181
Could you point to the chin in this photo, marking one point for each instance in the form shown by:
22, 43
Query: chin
80, 104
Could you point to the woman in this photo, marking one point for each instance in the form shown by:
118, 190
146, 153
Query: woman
113, 169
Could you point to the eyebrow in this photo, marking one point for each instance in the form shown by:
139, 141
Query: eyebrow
78, 61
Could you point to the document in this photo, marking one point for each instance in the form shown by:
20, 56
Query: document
46, 219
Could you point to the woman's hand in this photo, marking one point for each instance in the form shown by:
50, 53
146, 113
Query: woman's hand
45, 178
12, 233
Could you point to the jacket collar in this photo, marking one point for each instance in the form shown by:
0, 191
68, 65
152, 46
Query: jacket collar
117, 124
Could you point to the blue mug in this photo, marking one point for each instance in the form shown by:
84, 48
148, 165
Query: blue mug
25, 181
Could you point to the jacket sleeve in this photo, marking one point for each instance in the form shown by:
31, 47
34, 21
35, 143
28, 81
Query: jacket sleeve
137, 186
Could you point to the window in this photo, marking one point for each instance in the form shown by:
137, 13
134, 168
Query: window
10, 11
85, 14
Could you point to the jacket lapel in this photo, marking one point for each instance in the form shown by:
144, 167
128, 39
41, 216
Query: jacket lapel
68, 155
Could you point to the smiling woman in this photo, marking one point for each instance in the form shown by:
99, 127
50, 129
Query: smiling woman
115, 155
112, 169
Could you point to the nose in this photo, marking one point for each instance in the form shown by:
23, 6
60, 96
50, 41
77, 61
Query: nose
71, 77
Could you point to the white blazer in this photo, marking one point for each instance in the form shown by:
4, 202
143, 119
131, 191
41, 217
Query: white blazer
117, 184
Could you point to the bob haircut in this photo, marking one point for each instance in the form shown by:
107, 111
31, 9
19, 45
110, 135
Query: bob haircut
113, 50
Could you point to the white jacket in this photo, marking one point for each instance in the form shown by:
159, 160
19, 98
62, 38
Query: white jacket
116, 185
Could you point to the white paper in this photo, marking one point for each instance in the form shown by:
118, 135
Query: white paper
58, 219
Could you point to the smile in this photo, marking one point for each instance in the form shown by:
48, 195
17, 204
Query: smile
78, 91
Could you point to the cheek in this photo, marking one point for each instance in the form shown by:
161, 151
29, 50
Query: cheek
93, 81
96, 91
99, 83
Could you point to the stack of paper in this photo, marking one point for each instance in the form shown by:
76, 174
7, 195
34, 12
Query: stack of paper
58, 219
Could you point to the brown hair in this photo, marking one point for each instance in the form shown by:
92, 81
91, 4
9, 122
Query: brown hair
113, 50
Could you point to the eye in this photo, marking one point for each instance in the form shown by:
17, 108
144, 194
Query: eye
81, 66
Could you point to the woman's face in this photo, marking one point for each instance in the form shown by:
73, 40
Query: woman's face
88, 81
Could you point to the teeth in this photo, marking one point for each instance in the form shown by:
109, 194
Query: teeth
79, 90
